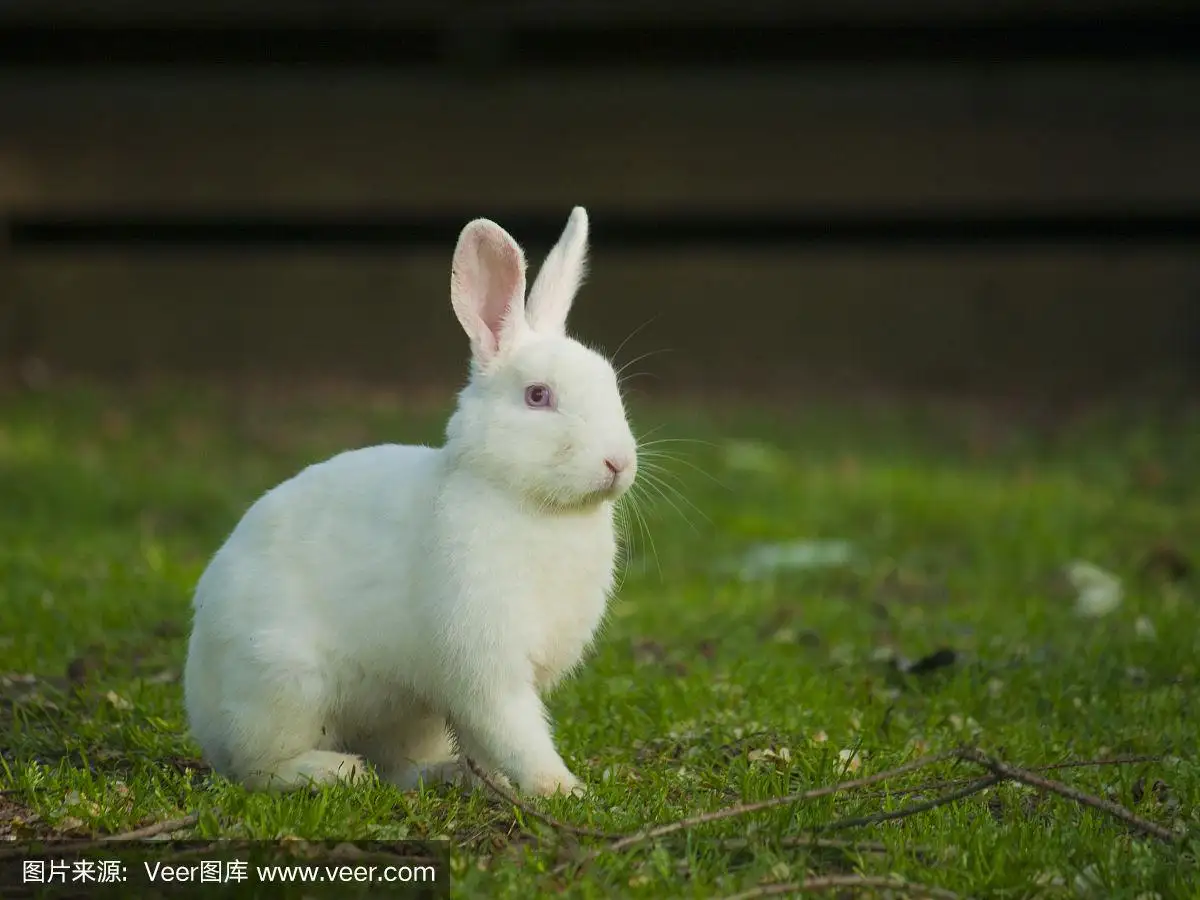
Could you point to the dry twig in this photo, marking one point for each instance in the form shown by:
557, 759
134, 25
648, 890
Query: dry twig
1107, 761
528, 810
904, 812
156, 828
1000, 771
1068, 764
138, 834
819, 843
848, 882
741, 809
1015, 773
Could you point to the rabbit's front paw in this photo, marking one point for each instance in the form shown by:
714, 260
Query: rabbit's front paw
551, 783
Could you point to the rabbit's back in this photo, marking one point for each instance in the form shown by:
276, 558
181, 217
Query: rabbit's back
332, 532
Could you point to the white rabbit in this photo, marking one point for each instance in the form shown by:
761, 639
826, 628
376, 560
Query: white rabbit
408, 606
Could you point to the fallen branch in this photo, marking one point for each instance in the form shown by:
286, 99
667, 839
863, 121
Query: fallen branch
649, 834
819, 843
904, 812
1000, 772
1069, 764
138, 834
1108, 761
835, 882
156, 828
528, 810
1025, 776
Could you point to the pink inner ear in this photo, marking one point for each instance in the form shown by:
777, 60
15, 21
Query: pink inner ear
493, 281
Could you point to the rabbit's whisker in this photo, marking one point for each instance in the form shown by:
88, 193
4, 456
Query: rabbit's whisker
629, 336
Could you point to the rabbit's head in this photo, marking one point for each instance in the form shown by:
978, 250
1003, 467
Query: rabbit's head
542, 415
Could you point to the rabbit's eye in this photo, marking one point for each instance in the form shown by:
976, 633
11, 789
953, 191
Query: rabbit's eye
538, 396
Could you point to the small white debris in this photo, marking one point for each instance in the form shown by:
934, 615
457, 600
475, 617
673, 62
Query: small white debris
968, 724
1145, 629
883, 654
1099, 592
1088, 883
117, 700
850, 760
1049, 878
762, 561
757, 755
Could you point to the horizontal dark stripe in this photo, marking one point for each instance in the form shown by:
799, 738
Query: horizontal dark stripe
613, 230
1129, 38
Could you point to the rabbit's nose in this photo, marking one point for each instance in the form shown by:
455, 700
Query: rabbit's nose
616, 465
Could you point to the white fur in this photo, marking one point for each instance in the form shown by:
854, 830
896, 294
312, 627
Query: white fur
406, 606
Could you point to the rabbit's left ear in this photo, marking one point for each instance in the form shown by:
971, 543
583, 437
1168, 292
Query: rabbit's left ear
559, 279
487, 288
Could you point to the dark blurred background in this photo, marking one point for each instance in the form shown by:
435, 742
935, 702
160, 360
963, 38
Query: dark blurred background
995, 197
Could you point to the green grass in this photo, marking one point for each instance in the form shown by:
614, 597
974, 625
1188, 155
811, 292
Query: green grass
110, 503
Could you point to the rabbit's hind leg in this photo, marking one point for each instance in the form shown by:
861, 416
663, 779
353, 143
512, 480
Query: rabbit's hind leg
309, 769
417, 750
280, 737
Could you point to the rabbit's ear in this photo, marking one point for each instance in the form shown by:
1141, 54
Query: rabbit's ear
487, 287
560, 277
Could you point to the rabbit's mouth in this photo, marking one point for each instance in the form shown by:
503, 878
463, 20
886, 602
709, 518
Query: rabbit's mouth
614, 489
589, 500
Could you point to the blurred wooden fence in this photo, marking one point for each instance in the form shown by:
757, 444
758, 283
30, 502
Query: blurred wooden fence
1000, 196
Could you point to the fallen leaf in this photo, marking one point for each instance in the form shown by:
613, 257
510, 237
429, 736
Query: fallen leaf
78, 670
69, 824
168, 629
938, 659
1166, 561
1158, 790
646, 652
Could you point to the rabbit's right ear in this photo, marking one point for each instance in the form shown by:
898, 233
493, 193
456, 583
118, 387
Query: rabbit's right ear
487, 288
561, 275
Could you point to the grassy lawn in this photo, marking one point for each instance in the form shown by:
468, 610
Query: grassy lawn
722, 676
